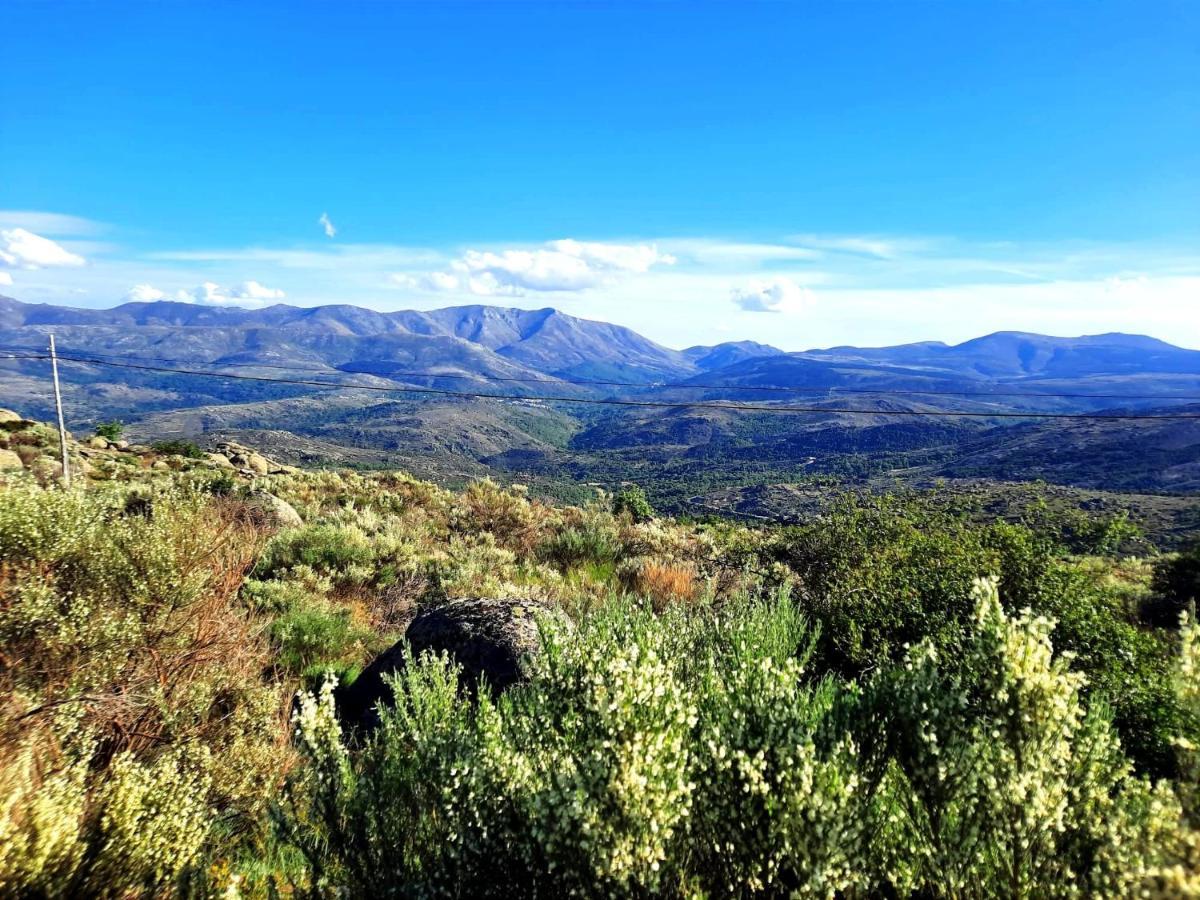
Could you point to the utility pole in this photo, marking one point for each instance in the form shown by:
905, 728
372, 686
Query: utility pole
62, 428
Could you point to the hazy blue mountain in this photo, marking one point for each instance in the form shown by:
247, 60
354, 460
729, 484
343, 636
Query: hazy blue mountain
482, 339
727, 354
1014, 354
840, 427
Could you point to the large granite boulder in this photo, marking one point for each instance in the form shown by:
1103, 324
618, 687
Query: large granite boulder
489, 639
273, 511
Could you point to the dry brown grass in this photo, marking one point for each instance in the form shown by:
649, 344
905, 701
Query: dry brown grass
665, 582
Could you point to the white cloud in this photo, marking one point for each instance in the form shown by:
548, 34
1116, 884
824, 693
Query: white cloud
144, 293
618, 257
779, 295
252, 290
5, 278
248, 293
21, 249
327, 225
565, 265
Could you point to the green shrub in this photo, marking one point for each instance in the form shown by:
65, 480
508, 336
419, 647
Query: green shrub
336, 550
1176, 583
175, 447
111, 431
137, 831
633, 503
314, 635
1008, 780
588, 544
139, 697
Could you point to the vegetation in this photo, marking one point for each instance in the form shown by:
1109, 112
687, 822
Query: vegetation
893, 700
111, 431
186, 449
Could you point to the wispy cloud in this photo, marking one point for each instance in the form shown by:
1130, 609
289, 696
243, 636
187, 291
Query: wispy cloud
562, 266
54, 224
327, 225
22, 249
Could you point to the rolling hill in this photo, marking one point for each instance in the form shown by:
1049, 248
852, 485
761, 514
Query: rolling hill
858, 404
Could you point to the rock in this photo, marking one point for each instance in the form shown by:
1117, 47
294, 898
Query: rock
121, 445
220, 460
7, 415
258, 464
97, 443
275, 512
489, 639
160, 465
10, 460
136, 505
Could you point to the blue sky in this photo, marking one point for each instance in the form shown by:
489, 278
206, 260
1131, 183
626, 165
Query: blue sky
808, 174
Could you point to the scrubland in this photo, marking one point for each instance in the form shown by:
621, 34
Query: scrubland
889, 701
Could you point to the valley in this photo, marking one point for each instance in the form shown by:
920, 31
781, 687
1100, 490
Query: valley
569, 405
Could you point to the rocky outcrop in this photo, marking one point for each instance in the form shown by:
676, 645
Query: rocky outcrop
489, 639
275, 513
247, 461
34, 447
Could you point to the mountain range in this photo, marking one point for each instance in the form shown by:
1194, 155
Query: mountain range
870, 411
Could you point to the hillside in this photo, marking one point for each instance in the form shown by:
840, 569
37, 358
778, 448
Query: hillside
868, 412
203, 642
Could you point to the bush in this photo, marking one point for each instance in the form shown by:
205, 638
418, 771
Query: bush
335, 550
111, 431
138, 702
1177, 583
661, 581
633, 503
313, 636
658, 756
589, 543
186, 449
139, 830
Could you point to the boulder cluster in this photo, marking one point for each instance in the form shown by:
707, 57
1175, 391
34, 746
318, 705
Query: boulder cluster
246, 461
30, 446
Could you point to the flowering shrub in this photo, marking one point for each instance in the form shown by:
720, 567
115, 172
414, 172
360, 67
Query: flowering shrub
1007, 779
836, 709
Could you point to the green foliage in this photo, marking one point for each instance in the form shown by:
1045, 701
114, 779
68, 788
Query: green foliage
313, 636
839, 708
633, 503
1176, 584
1006, 779
136, 717
175, 447
111, 431
585, 544
880, 575
666, 756
326, 549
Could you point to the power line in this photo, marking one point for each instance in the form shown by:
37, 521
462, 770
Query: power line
676, 385
612, 401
